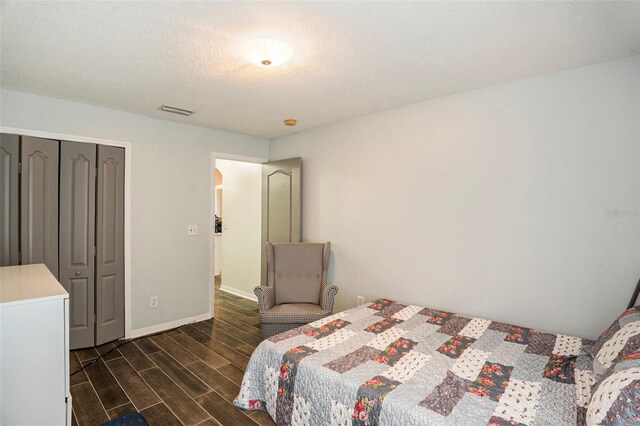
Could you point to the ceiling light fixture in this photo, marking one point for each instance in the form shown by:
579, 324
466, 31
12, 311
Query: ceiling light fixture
266, 51
290, 121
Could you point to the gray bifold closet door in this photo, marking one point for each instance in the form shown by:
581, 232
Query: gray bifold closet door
110, 244
39, 202
77, 238
65, 209
9, 208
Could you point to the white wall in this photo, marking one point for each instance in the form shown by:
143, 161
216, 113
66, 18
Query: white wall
241, 222
171, 178
492, 202
217, 258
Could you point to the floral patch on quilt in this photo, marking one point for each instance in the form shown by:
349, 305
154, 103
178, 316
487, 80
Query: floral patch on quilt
327, 329
380, 304
518, 335
256, 404
492, 381
286, 381
455, 346
369, 400
383, 325
439, 317
560, 368
395, 351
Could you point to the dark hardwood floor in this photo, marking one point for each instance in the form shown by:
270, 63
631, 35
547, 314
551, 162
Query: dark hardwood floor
188, 376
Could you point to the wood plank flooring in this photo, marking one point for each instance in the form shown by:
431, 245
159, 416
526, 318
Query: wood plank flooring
188, 376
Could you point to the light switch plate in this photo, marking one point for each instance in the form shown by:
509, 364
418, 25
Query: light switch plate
192, 230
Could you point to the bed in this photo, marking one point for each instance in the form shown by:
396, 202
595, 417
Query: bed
391, 363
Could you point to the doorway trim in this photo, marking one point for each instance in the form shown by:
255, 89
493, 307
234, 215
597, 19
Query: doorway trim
212, 212
127, 201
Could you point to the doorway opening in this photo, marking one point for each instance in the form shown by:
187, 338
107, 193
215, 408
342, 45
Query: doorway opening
253, 201
237, 242
238, 209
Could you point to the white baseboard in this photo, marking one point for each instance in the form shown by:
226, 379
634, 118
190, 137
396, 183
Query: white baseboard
240, 293
167, 325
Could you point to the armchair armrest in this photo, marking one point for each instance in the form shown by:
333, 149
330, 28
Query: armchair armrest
266, 297
326, 298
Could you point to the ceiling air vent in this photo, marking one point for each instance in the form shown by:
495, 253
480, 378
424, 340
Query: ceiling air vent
176, 110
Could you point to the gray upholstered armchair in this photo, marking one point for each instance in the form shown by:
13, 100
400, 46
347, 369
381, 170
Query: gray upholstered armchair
297, 292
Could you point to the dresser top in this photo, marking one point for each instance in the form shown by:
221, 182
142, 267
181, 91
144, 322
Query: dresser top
27, 284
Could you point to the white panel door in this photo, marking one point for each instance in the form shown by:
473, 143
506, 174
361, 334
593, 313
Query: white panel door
281, 204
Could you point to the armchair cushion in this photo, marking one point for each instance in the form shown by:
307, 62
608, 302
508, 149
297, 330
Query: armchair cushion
298, 272
296, 313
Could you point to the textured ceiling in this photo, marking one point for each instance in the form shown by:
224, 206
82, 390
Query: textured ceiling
350, 58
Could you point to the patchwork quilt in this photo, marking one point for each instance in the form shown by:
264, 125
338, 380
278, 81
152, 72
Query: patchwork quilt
390, 363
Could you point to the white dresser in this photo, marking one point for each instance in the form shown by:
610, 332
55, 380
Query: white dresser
34, 348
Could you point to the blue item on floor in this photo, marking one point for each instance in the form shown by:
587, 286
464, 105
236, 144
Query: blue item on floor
134, 419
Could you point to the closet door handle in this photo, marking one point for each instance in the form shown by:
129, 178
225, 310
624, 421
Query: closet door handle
77, 273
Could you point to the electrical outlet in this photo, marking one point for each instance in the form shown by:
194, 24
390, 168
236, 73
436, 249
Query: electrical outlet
360, 300
192, 230
154, 302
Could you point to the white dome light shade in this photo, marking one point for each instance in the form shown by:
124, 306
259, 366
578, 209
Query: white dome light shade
266, 51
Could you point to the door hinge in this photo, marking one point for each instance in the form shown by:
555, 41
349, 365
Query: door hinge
19, 167
20, 258
95, 251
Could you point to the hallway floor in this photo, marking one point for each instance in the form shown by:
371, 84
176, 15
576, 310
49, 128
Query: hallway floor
187, 376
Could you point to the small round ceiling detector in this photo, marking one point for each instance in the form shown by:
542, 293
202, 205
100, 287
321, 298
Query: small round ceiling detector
290, 121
